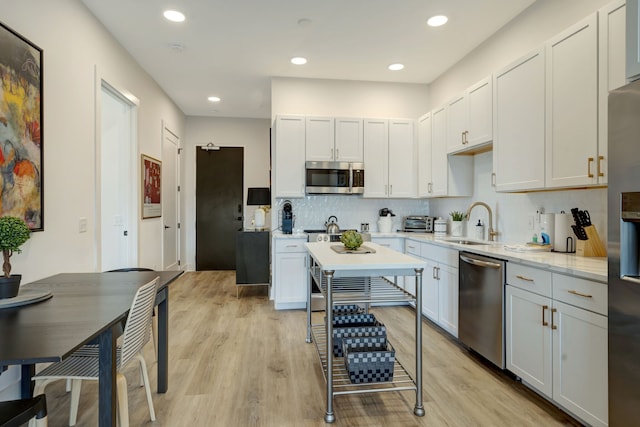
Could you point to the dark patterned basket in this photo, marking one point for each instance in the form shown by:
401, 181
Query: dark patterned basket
354, 325
369, 364
346, 309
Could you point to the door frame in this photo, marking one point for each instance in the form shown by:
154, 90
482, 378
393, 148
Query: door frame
165, 132
127, 97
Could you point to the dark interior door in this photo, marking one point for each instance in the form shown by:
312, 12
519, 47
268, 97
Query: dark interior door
219, 192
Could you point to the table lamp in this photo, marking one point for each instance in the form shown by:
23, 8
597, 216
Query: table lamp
261, 197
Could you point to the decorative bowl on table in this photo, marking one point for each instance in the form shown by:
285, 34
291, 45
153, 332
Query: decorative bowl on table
351, 239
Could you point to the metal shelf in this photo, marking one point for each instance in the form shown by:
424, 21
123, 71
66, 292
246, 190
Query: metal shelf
402, 380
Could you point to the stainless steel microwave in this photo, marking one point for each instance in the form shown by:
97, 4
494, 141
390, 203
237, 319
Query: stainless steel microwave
334, 178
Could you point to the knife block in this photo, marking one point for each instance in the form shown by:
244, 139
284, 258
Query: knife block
592, 247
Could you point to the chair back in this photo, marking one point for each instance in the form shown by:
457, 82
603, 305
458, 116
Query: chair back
137, 329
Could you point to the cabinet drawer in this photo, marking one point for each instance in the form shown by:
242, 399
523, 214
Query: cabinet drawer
529, 278
581, 293
439, 254
412, 247
290, 245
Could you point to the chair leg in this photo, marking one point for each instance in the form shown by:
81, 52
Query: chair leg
123, 400
68, 386
147, 386
154, 336
76, 386
42, 422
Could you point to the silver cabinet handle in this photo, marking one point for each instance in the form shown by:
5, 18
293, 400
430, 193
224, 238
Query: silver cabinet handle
430, 187
337, 153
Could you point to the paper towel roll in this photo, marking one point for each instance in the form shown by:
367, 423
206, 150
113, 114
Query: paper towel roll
548, 226
564, 238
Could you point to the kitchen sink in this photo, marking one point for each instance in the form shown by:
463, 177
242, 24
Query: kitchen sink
466, 242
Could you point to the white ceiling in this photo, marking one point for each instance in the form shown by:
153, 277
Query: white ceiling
232, 48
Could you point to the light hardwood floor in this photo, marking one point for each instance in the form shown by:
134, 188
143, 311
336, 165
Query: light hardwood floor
238, 362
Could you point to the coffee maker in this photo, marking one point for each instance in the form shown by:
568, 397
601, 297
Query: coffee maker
287, 218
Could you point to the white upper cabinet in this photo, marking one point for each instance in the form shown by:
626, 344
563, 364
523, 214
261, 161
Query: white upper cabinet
470, 115
376, 146
518, 124
348, 140
334, 139
320, 138
572, 106
402, 159
633, 40
424, 156
289, 152
390, 158
611, 62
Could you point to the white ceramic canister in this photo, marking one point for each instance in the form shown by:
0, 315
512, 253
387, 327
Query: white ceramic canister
440, 227
385, 224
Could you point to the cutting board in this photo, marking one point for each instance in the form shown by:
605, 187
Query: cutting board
361, 250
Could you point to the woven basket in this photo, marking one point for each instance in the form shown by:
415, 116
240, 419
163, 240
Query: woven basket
355, 325
369, 363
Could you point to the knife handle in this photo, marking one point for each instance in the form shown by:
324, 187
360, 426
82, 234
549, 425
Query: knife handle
589, 161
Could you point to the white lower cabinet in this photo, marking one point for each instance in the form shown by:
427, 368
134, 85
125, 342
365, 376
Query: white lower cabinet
290, 274
397, 244
555, 343
439, 283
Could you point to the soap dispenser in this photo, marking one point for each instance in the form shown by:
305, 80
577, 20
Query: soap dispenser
479, 230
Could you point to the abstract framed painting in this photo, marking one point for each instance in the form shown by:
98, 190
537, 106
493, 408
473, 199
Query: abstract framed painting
151, 187
21, 142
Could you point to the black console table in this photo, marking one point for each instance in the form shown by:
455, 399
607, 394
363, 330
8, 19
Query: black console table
252, 258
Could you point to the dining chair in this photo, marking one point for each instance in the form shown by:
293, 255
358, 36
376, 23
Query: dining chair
84, 366
14, 413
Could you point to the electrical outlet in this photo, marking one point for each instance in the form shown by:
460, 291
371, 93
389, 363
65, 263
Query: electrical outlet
82, 225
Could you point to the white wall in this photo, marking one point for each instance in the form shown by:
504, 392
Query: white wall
75, 47
252, 134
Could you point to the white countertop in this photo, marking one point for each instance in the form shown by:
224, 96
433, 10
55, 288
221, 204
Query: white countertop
586, 267
384, 261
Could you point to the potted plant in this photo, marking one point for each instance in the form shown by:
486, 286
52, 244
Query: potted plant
456, 225
13, 233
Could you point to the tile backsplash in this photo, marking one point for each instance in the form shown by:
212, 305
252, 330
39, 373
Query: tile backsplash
514, 214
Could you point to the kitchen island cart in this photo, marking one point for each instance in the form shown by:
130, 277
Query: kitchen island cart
357, 278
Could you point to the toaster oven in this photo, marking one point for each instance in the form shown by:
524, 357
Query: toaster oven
417, 224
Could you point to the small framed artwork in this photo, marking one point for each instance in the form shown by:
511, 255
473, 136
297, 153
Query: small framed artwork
21, 160
151, 187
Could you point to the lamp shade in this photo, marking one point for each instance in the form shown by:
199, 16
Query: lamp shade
259, 196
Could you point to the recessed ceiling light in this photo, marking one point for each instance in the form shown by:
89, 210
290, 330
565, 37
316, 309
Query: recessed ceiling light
298, 60
174, 15
396, 67
213, 99
436, 21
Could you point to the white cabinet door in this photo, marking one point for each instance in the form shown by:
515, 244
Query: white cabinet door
319, 139
376, 144
519, 124
448, 298
430, 291
633, 40
439, 164
290, 274
611, 61
571, 141
528, 338
402, 159
480, 116
397, 244
289, 156
348, 140
424, 156
580, 372
458, 118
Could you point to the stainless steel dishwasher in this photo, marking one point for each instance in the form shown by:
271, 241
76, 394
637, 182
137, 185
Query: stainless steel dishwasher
481, 306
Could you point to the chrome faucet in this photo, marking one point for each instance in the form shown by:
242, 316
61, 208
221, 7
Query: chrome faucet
492, 232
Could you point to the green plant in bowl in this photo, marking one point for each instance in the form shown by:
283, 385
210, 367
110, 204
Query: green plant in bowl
351, 239
458, 216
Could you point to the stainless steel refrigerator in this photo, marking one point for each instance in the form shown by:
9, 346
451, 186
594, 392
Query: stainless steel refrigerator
624, 255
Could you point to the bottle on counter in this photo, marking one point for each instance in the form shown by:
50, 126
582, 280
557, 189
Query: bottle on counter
479, 230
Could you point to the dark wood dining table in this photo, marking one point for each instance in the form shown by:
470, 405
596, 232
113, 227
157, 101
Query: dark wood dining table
84, 307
